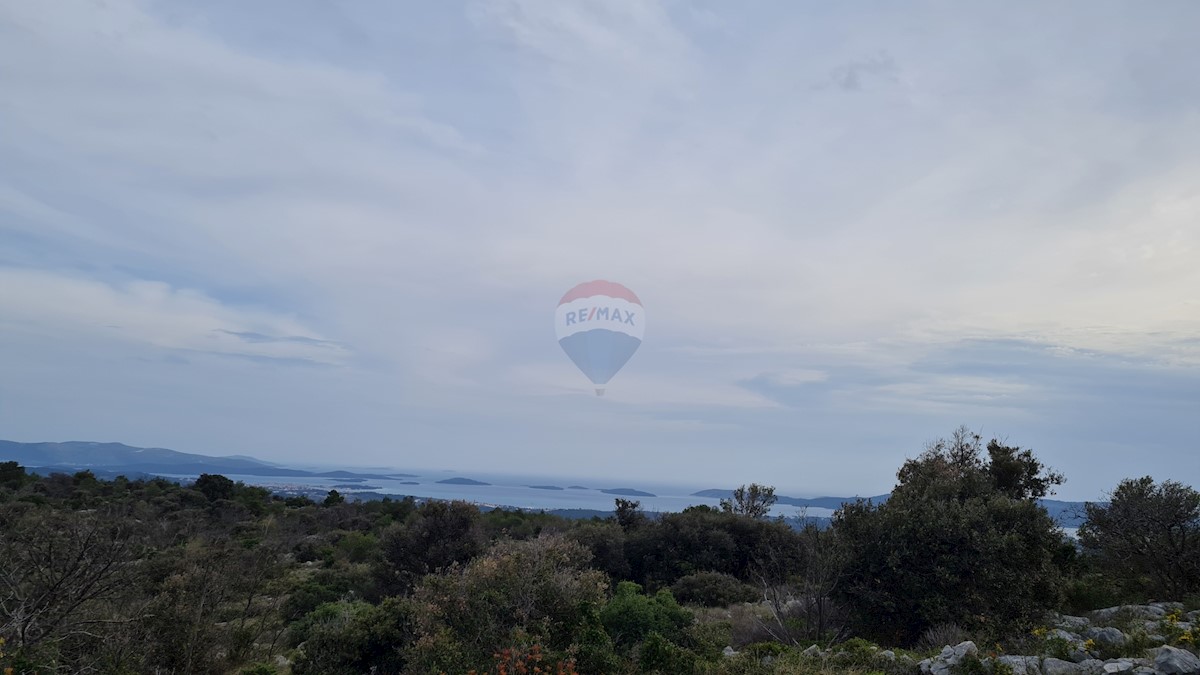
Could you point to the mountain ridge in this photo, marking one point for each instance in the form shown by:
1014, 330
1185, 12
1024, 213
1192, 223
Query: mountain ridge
109, 457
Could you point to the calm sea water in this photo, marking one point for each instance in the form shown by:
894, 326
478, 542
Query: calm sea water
509, 490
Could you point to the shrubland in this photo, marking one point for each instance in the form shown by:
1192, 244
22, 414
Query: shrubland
137, 576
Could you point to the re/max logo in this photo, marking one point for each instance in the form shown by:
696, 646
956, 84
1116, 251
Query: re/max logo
600, 313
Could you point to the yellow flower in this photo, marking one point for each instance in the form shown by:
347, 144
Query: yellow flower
1089, 644
1039, 632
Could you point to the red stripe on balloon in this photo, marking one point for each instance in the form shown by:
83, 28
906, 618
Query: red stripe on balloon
599, 287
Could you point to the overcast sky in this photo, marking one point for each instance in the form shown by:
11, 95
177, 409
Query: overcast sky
312, 231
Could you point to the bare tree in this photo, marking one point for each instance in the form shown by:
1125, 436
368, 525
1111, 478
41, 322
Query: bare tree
60, 573
800, 576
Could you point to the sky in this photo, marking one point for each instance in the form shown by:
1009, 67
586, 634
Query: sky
336, 232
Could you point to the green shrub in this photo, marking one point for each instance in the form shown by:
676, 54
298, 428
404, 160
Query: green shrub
962, 539
355, 637
593, 649
1091, 591
657, 654
707, 639
630, 616
761, 649
857, 648
713, 589
519, 592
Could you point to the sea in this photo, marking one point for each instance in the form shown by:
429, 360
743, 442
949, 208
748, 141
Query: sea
509, 490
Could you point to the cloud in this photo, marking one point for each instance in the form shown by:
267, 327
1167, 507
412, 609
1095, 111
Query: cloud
152, 314
963, 197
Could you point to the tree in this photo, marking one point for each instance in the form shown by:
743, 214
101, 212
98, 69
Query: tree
754, 501
629, 513
333, 498
350, 637
59, 572
438, 535
606, 542
214, 486
800, 576
1148, 537
519, 590
961, 539
12, 475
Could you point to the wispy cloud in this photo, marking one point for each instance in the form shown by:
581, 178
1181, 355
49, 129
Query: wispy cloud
853, 228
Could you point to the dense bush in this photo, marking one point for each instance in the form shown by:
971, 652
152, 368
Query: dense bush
713, 589
538, 589
630, 616
436, 536
347, 638
1147, 539
961, 540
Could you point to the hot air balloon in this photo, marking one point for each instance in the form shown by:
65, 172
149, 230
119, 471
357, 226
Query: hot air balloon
599, 325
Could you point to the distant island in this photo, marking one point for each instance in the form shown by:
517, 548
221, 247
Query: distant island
463, 481
1066, 514
356, 487
628, 492
578, 487
544, 487
409, 482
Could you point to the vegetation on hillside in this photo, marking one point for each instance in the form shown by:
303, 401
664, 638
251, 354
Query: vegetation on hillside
138, 576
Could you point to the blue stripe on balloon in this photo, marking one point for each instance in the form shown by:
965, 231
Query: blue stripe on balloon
600, 352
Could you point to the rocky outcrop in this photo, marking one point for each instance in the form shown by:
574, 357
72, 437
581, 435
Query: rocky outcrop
1078, 643
950, 660
1174, 661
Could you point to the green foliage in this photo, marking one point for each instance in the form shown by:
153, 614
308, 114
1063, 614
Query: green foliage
606, 542
713, 589
1090, 591
960, 540
355, 637
857, 648
214, 486
358, 547
536, 590
221, 577
517, 524
657, 654
973, 665
437, 535
707, 638
630, 616
12, 475
762, 649
702, 539
594, 651
754, 501
1147, 539
628, 513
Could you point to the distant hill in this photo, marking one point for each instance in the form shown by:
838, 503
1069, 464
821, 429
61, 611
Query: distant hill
462, 481
545, 487
628, 492
118, 458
